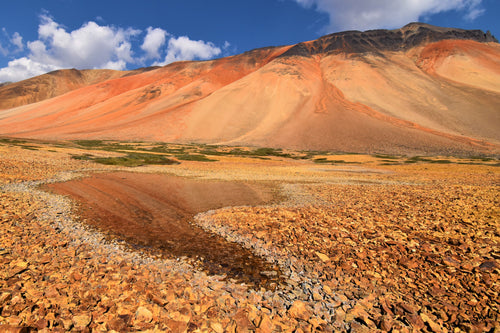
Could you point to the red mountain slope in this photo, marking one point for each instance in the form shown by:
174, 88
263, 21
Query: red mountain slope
419, 89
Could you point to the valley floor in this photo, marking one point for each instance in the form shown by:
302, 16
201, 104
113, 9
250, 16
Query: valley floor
364, 243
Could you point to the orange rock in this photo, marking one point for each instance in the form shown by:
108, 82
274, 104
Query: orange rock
323, 256
266, 324
217, 327
386, 323
299, 310
242, 322
13, 329
177, 326
432, 324
81, 321
143, 315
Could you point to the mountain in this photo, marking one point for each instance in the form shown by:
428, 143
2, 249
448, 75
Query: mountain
54, 84
418, 89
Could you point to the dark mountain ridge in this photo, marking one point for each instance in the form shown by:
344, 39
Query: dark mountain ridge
411, 35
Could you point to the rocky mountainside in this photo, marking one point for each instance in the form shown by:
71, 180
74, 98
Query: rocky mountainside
418, 89
411, 35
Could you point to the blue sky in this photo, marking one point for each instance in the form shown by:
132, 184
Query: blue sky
40, 36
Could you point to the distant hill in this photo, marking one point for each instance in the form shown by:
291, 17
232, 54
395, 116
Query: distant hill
418, 89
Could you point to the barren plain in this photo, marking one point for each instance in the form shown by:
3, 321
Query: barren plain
358, 243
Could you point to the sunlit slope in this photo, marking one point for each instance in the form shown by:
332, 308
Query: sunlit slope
353, 103
129, 106
53, 84
419, 89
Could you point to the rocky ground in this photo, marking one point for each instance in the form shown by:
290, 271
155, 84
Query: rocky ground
362, 248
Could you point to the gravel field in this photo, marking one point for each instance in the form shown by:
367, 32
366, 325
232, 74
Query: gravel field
362, 248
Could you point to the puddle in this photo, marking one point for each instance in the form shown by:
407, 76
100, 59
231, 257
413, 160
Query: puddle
151, 212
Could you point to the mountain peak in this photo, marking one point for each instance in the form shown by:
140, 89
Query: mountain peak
375, 41
415, 90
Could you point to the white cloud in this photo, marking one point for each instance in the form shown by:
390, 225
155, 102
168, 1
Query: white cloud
153, 41
3, 50
22, 68
90, 46
95, 46
183, 48
17, 40
12, 44
474, 14
371, 14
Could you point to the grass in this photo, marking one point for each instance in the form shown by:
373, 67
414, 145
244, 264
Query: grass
135, 159
12, 141
83, 157
324, 160
130, 160
416, 159
185, 151
89, 143
208, 151
194, 157
482, 158
108, 146
167, 150
440, 161
386, 157
27, 147
141, 153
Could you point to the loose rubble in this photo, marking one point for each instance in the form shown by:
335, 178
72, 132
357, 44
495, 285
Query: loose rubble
407, 249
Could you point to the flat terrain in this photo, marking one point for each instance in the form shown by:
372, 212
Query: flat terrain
360, 242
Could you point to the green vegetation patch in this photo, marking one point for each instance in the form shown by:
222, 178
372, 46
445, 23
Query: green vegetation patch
12, 141
89, 143
416, 159
103, 145
194, 157
324, 160
441, 161
168, 150
28, 147
482, 158
321, 160
130, 160
386, 157
135, 159
83, 157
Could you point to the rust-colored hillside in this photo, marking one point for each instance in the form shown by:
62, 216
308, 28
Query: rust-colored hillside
419, 89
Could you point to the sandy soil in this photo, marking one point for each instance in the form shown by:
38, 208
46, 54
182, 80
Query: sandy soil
361, 248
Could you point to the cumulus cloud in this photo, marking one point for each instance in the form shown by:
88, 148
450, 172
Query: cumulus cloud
23, 68
369, 14
10, 44
90, 46
154, 40
183, 48
3, 50
17, 41
95, 46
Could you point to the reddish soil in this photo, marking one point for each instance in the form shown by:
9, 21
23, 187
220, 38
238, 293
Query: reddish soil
434, 98
152, 212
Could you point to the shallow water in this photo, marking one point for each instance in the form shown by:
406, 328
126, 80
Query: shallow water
152, 212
